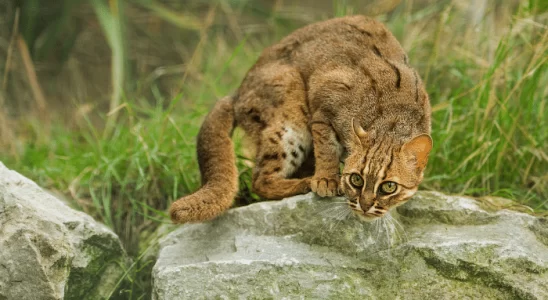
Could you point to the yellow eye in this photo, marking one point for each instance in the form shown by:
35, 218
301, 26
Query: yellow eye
356, 180
388, 187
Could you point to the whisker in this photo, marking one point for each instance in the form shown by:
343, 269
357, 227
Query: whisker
327, 210
337, 222
393, 229
327, 207
337, 211
343, 213
399, 227
378, 228
336, 214
388, 239
330, 209
397, 231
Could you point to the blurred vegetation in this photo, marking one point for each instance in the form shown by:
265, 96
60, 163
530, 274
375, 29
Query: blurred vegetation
101, 100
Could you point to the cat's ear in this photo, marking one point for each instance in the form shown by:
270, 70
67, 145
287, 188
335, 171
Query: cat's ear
360, 136
418, 149
358, 130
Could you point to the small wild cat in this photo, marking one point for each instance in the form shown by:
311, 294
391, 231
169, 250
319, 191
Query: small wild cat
338, 90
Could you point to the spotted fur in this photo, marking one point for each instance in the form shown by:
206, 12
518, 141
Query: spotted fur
336, 90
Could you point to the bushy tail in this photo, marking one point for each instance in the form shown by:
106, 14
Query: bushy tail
218, 168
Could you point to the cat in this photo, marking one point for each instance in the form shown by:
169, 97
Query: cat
335, 91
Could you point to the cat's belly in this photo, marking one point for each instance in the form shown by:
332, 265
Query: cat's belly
296, 144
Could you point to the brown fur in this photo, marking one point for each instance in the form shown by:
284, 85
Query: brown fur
333, 89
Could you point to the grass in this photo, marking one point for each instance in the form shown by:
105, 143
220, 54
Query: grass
487, 82
489, 108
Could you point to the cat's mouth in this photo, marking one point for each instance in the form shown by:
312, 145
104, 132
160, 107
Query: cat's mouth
365, 216
369, 215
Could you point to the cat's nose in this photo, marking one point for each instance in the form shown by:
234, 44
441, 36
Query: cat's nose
367, 201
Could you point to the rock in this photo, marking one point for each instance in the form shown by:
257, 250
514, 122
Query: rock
50, 251
433, 247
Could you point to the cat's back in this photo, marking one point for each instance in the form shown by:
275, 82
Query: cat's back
336, 41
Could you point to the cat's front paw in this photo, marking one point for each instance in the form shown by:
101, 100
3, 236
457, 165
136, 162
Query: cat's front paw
325, 186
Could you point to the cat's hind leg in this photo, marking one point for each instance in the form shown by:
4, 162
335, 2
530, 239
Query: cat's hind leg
272, 109
282, 150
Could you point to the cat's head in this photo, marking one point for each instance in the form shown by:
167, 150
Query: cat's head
381, 172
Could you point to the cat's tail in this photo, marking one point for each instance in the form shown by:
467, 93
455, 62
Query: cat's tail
217, 162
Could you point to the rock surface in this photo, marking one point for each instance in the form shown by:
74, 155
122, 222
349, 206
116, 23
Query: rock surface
50, 251
433, 247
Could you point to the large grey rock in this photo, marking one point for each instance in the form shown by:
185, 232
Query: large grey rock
444, 247
50, 251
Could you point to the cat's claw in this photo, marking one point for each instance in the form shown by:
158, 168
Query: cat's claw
325, 186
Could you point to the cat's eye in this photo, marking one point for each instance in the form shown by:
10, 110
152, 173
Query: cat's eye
356, 180
388, 187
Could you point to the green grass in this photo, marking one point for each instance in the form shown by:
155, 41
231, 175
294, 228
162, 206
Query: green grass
489, 95
487, 85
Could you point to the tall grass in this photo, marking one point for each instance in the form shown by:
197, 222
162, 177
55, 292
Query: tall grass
488, 90
487, 81
110, 18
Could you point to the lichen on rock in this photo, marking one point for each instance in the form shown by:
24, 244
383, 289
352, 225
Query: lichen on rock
50, 251
434, 247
